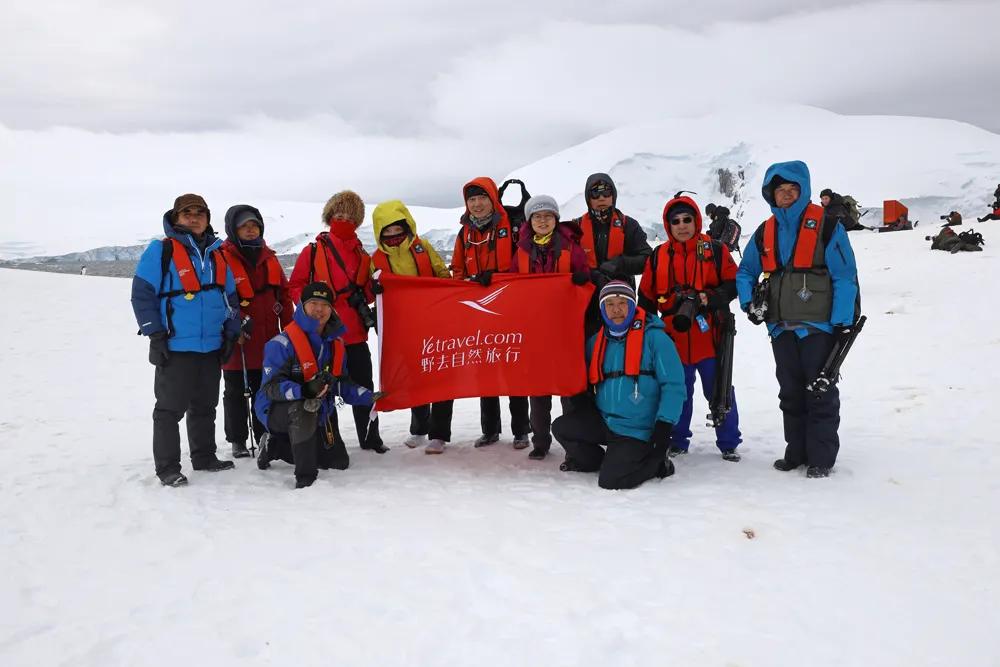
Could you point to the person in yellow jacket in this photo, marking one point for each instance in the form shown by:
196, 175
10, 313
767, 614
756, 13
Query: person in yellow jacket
401, 251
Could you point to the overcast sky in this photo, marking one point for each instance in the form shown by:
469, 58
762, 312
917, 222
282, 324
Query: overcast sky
411, 98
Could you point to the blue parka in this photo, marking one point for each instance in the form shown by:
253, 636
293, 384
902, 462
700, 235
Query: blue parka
198, 323
282, 374
632, 407
839, 254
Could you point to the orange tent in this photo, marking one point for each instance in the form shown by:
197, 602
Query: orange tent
893, 211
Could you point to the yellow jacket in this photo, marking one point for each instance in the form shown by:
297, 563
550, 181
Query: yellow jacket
400, 258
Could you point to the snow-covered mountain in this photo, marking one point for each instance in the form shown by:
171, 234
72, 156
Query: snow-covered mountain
932, 165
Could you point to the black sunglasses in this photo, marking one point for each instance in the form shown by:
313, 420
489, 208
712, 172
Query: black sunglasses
681, 220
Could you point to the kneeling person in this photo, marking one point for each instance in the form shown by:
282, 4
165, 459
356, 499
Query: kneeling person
304, 372
638, 386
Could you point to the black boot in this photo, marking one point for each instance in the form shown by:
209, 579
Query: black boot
264, 455
538, 452
816, 472
376, 446
215, 465
240, 450
785, 466
666, 469
303, 482
174, 479
486, 439
731, 455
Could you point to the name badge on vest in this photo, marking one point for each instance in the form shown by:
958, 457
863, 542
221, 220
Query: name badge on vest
244, 303
502, 234
811, 224
189, 296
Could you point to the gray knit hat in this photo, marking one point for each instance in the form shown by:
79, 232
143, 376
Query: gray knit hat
540, 203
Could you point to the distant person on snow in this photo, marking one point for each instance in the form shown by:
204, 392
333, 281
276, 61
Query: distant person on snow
953, 219
638, 390
995, 215
688, 280
486, 245
723, 228
811, 297
185, 301
265, 308
83, 270
400, 251
338, 259
836, 209
304, 372
547, 245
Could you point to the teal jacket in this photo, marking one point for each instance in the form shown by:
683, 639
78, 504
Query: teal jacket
632, 407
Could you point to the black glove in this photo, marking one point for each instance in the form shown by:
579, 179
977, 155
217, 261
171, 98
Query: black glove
312, 388
599, 279
661, 436
226, 351
159, 354
484, 278
246, 327
610, 267
581, 277
717, 300
753, 318
377, 287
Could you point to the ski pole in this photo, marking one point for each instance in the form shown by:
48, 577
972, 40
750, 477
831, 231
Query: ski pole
246, 396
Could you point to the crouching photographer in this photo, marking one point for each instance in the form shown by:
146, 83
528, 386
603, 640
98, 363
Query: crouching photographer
689, 281
304, 372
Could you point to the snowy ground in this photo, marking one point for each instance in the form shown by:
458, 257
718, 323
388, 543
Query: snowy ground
482, 557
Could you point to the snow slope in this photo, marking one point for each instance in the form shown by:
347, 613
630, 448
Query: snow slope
932, 165
482, 557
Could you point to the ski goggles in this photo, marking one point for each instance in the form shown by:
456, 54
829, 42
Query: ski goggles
601, 190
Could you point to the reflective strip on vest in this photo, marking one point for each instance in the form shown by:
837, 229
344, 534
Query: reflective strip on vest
190, 280
616, 238
633, 350
307, 357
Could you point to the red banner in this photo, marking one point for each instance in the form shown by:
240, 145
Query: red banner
441, 339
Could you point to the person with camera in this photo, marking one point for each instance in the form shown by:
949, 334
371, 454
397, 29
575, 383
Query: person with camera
688, 281
338, 259
184, 299
485, 245
995, 215
400, 251
807, 294
304, 372
547, 245
637, 390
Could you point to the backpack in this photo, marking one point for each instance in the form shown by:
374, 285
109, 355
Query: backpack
515, 213
851, 204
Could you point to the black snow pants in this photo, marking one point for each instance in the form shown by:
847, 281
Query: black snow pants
187, 386
432, 420
810, 423
489, 415
627, 463
234, 406
310, 450
359, 368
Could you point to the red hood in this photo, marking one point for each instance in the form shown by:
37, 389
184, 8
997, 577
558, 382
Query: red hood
265, 250
486, 183
682, 200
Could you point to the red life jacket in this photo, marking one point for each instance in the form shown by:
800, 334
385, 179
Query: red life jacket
996, 212
707, 263
190, 280
804, 254
563, 261
244, 285
616, 237
633, 352
307, 358
424, 267
321, 268
500, 248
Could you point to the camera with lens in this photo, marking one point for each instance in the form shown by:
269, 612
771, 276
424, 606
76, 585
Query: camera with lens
758, 301
312, 388
358, 302
687, 310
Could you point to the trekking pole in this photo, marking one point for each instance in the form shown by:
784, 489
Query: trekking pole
246, 397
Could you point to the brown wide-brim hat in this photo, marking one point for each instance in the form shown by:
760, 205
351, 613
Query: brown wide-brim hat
345, 205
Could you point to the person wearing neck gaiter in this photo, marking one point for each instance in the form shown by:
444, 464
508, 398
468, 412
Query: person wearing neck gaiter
485, 245
693, 270
265, 309
337, 258
637, 390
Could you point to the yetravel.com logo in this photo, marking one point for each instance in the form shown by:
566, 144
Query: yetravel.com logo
481, 304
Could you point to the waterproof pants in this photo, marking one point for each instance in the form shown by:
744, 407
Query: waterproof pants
432, 420
234, 406
810, 423
541, 419
489, 415
187, 386
727, 434
359, 368
309, 448
627, 463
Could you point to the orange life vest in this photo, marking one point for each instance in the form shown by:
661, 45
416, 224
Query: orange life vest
501, 248
321, 268
190, 280
420, 255
633, 352
804, 255
563, 261
616, 237
244, 285
307, 358
665, 278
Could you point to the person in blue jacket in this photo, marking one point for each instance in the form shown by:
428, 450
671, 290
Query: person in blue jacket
638, 390
808, 295
304, 373
184, 299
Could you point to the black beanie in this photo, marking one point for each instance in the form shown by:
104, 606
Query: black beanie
826, 192
778, 181
473, 190
681, 208
317, 290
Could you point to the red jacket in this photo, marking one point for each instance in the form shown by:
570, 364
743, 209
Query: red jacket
689, 264
357, 263
261, 308
565, 238
489, 250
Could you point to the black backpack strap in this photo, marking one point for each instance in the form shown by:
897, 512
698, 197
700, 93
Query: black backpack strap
351, 285
312, 262
166, 257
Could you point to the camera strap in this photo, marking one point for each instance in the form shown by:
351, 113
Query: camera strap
351, 285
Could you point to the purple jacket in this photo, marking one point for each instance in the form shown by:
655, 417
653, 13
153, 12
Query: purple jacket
566, 238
